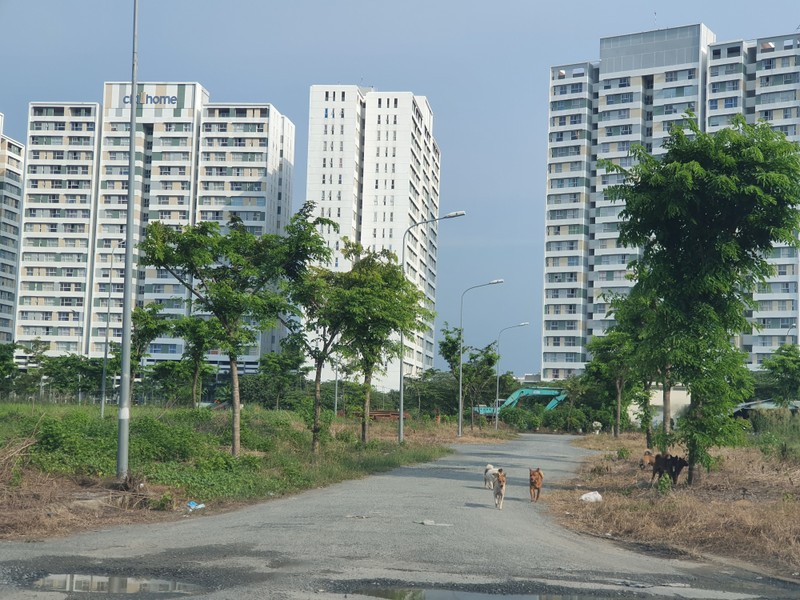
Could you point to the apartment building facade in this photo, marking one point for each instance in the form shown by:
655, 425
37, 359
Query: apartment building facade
374, 168
642, 84
12, 170
194, 161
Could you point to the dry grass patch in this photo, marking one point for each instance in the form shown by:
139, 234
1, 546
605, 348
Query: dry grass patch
745, 508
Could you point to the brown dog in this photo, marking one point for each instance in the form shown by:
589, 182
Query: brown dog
536, 483
499, 487
647, 459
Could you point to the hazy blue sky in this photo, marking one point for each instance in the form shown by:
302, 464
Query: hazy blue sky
484, 67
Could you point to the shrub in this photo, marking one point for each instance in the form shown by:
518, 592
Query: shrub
346, 437
75, 443
664, 485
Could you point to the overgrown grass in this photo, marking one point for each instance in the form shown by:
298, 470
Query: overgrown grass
188, 450
777, 433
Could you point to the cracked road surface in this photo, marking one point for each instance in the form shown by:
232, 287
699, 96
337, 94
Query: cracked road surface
431, 526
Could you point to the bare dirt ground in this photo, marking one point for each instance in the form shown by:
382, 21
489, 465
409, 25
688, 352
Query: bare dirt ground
744, 509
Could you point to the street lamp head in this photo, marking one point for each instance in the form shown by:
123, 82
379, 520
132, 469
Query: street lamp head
453, 215
496, 281
523, 324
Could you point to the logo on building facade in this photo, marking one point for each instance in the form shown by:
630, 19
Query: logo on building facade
144, 98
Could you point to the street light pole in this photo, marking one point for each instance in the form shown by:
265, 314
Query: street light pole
452, 215
124, 417
497, 393
461, 352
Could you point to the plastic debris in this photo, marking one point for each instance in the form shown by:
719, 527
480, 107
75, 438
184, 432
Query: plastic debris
592, 497
194, 505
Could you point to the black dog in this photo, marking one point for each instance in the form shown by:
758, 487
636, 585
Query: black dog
671, 465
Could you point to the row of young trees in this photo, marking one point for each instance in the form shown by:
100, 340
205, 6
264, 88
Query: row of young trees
705, 217
241, 285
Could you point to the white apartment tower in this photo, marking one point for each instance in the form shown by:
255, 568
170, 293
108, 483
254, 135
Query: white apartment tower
12, 169
195, 161
642, 84
56, 254
373, 167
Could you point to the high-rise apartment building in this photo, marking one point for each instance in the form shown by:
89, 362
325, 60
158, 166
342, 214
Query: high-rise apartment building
12, 169
195, 161
373, 167
642, 84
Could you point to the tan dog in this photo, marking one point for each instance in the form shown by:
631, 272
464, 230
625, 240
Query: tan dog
647, 459
499, 488
537, 477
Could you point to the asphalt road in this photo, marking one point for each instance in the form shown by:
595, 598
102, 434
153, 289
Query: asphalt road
430, 527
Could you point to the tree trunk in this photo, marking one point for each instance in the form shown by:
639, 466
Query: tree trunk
237, 409
195, 381
365, 415
692, 445
317, 407
471, 415
618, 422
667, 409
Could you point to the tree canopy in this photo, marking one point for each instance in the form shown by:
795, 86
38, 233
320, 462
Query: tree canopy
237, 277
705, 215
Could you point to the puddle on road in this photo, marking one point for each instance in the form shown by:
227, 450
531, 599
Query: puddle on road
417, 594
110, 584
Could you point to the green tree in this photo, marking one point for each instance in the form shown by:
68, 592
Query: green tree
31, 378
612, 355
705, 215
450, 348
8, 368
173, 378
650, 325
237, 277
200, 335
67, 375
381, 303
148, 324
783, 368
323, 296
476, 373
282, 370
479, 378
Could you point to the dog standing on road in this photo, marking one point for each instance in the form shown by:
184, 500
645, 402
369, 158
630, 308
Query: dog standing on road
537, 477
499, 487
488, 477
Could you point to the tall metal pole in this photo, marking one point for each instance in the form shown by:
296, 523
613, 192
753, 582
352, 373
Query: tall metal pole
128, 289
497, 393
461, 353
452, 215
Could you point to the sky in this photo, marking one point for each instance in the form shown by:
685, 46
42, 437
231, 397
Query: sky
484, 67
